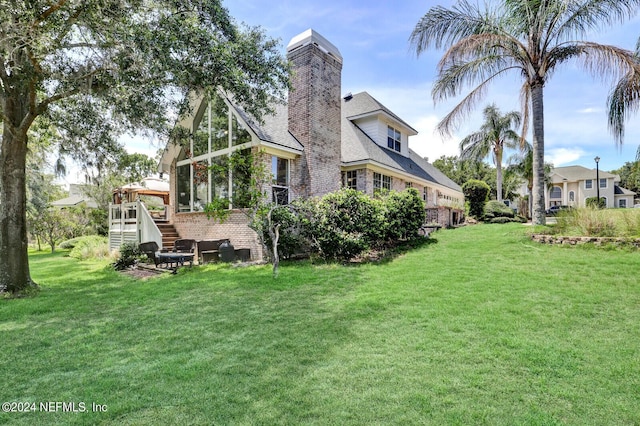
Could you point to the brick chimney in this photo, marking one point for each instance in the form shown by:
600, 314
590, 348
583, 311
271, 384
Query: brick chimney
314, 112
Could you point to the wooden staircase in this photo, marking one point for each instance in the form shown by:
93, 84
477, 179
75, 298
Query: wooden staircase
169, 234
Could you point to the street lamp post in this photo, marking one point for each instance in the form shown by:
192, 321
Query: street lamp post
597, 160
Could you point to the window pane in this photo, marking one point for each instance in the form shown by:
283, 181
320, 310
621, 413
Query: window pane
240, 135
351, 181
280, 171
241, 179
603, 183
556, 192
201, 136
219, 124
201, 185
588, 184
220, 177
184, 187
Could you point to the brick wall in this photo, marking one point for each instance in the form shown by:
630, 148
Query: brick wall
314, 119
196, 226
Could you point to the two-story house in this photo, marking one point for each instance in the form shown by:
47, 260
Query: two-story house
573, 185
316, 143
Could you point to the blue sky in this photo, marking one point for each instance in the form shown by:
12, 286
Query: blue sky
373, 38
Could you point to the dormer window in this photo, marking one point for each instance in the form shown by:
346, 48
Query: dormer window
394, 139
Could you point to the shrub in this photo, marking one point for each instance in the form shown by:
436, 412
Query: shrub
345, 223
595, 203
89, 247
503, 219
404, 214
495, 209
476, 193
129, 255
290, 240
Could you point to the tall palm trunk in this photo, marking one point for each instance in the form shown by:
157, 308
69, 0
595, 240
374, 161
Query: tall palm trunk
14, 261
498, 157
537, 113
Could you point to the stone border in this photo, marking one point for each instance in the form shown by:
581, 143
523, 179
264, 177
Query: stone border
598, 241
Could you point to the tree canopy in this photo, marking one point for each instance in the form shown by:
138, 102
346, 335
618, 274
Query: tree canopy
98, 68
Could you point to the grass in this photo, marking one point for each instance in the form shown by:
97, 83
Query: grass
599, 222
484, 327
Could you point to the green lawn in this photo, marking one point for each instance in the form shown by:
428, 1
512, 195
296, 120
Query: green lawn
484, 327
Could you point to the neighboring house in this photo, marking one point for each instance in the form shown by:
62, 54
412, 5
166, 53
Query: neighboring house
316, 143
75, 198
573, 185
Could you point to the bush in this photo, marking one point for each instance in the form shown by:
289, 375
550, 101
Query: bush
593, 202
496, 209
290, 240
404, 214
129, 255
88, 247
476, 193
503, 219
345, 223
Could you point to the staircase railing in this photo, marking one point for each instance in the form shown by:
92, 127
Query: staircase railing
131, 222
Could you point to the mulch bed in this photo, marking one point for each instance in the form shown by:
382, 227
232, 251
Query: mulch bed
142, 272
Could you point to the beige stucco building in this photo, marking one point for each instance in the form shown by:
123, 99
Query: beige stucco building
573, 185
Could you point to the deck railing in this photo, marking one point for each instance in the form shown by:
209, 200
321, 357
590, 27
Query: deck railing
132, 223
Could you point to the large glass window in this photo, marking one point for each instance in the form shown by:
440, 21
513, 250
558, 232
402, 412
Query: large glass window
603, 183
203, 172
556, 192
588, 184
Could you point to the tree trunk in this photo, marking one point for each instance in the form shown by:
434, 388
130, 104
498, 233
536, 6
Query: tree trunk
498, 175
276, 257
537, 114
14, 261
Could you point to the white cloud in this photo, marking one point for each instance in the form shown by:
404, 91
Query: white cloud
428, 143
561, 156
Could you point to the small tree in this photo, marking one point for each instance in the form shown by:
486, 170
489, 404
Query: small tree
52, 226
476, 193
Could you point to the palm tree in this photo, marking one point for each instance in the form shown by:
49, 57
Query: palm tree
530, 37
494, 136
522, 164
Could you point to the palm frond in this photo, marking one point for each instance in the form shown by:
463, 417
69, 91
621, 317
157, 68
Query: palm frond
441, 27
585, 16
605, 61
623, 101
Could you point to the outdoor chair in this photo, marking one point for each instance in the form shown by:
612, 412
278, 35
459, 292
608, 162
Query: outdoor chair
184, 246
208, 250
152, 251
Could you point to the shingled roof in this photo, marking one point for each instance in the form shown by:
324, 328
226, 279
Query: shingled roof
357, 147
